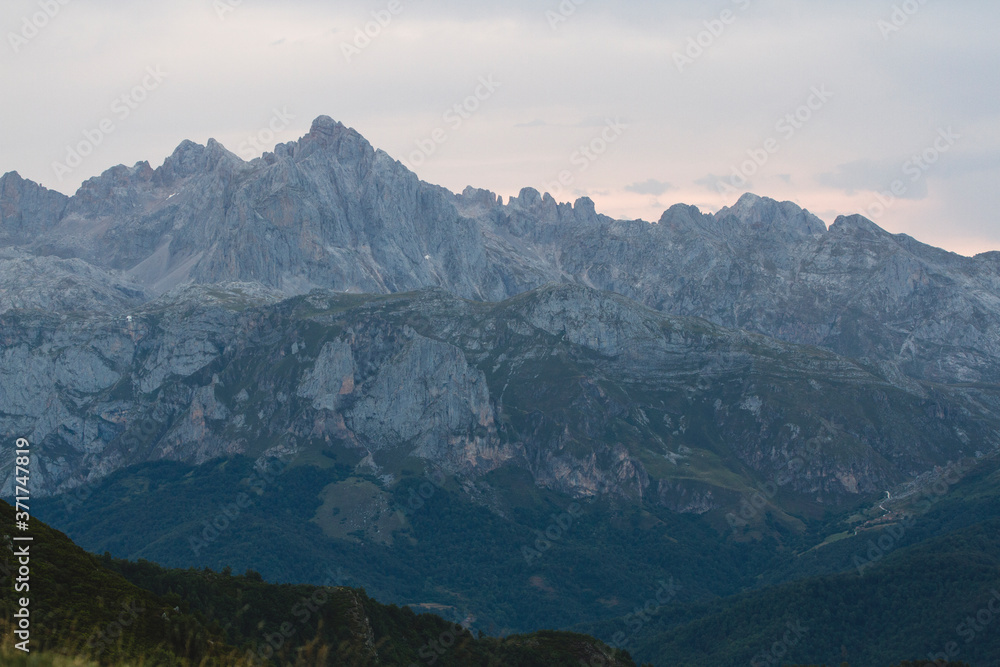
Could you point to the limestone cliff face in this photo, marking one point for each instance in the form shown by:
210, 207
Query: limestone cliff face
589, 392
422, 397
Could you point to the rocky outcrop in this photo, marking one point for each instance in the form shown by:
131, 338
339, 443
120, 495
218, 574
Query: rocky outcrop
63, 286
27, 209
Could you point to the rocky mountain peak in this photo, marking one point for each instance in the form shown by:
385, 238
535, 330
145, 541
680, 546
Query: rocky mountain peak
13, 187
526, 199
11, 179
328, 135
324, 125
857, 226
480, 197
681, 217
117, 191
746, 204
190, 158
991, 258
27, 208
585, 206
763, 215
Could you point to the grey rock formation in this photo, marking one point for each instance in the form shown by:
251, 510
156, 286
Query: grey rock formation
588, 391
757, 328
64, 286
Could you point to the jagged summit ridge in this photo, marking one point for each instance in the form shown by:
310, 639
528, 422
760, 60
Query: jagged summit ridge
330, 211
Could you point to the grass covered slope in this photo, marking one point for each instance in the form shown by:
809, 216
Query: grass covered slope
98, 609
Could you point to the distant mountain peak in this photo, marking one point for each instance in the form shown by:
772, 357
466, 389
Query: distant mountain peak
333, 138
12, 182
325, 124
763, 214
27, 208
747, 201
324, 129
191, 158
10, 177
857, 224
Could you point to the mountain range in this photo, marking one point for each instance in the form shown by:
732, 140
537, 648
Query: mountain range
329, 211
747, 384
909, 334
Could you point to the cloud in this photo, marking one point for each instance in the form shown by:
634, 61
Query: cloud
606, 61
722, 184
650, 187
709, 182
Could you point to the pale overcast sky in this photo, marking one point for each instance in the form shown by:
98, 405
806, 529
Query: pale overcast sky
825, 104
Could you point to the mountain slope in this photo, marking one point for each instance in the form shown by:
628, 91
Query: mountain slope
590, 393
938, 600
919, 581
